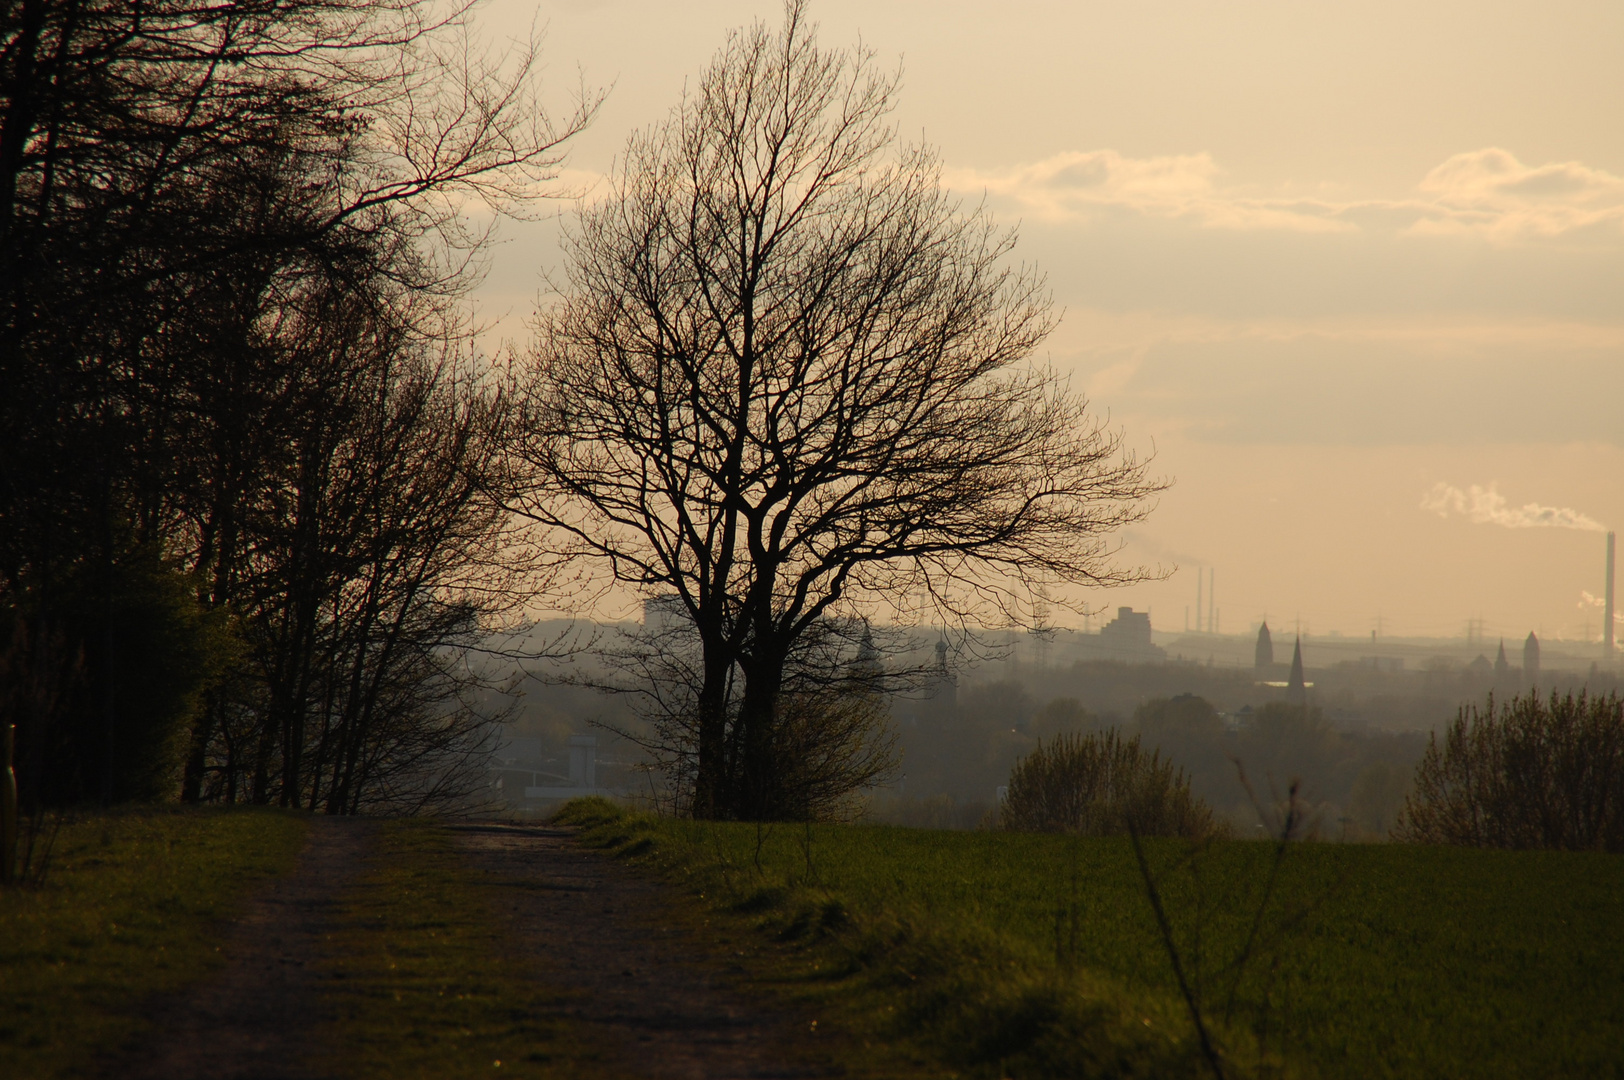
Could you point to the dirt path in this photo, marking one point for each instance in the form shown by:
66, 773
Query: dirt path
660, 1004
252, 1019
656, 1001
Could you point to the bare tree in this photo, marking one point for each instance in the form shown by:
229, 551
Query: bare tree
786, 383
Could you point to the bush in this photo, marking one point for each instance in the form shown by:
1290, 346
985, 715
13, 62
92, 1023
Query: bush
1525, 774
1097, 784
107, 691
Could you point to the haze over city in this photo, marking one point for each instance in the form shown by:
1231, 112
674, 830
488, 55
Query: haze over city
1351, 274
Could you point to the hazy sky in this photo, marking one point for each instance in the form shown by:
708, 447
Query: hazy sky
1355, 273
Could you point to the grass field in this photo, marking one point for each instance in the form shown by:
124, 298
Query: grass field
131, 905
1027, 955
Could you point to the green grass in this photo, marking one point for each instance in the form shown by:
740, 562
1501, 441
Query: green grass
132, 904
424, 987
1378, 961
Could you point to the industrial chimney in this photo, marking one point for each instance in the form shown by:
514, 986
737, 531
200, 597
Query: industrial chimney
1607, 606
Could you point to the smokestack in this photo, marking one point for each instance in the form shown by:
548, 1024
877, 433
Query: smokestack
1607, 607
1212, 600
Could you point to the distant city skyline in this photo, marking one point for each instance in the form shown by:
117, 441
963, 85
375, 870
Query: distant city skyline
1350, 273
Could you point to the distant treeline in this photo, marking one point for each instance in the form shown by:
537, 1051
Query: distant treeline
955, 756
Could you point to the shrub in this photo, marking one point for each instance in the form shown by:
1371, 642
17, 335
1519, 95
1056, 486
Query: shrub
830, 746
1096, 784
1525, 774
106, 692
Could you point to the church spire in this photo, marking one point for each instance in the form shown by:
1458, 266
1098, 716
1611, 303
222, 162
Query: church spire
1296, 688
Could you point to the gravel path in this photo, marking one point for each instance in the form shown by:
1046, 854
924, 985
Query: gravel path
661, 1004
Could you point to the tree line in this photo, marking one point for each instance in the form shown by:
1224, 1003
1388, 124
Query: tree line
264, 501
247, 446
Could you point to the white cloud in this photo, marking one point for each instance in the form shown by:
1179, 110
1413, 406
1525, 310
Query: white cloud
1078, 185
1488, 193
1486, 506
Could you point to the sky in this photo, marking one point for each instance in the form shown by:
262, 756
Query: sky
1353, 274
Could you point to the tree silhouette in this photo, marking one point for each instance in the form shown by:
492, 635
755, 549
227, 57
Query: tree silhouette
786, 383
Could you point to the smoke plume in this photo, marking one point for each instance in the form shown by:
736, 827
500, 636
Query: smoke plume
1486, 506
1589, 600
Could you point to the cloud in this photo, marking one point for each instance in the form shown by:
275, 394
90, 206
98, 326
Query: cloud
1487, 193
1486, 506
1080, 185
1490, 192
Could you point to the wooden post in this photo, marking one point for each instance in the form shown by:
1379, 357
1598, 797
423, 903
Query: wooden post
8, 809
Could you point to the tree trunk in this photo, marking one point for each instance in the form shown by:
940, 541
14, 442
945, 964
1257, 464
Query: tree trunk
759, 794
710, 776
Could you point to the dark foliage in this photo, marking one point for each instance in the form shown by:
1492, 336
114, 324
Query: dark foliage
1528, 773
114, 727
1102, 785
235, 369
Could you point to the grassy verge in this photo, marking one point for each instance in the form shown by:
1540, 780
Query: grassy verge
423, 987
1037, 956
940, 984
132, 905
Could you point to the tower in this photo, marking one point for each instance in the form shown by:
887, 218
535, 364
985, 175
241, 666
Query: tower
1607, 606
1264, 657
1531, 660
1200, 602
942, 686
1212, 599
1501, 667
1296, 688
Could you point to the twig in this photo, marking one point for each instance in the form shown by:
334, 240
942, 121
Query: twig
1288, 828
1208, 1050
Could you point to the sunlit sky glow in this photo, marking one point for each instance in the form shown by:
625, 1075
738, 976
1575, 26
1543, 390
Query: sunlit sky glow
1320, 259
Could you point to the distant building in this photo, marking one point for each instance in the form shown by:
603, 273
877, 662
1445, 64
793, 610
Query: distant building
866, 669
1127, 637
1239, 720
523, 769
867, 654
1480, 668
942, 686
1264, 656
1129, 629
1296, 688
1531, 660
1501, 667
